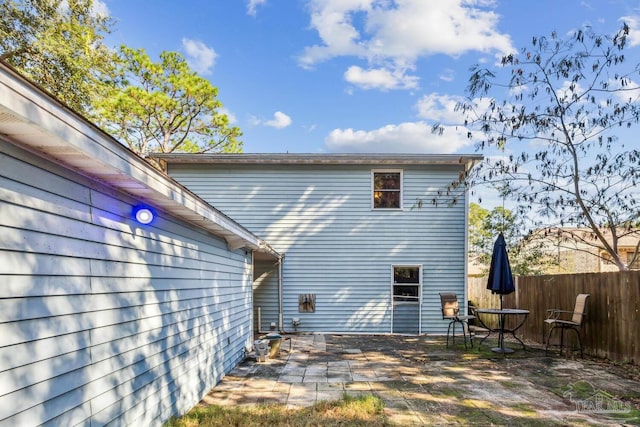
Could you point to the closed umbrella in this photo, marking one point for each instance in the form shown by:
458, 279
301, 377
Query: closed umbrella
500, 277
500, 282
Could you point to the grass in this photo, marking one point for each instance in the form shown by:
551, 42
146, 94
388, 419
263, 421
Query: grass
366, 410
450, 392
509, 384
525, 409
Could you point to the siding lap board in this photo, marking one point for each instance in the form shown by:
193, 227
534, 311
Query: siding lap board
103, 320
335, 245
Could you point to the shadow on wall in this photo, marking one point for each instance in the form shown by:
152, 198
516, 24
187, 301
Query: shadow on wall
102, 318
339, 249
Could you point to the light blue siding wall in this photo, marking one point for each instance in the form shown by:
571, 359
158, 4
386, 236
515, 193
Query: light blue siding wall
103, 321
335, 245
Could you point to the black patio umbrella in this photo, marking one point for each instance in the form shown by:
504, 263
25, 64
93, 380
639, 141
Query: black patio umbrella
500, 277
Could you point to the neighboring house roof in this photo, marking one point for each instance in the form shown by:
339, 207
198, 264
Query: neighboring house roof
578, 250
468, 160
34, 120
586, 237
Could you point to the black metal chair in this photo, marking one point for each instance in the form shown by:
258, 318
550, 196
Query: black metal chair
474, 328
566, 320
451, 312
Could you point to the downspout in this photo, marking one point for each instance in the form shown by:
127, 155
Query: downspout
280, 314
466, 247
467, 196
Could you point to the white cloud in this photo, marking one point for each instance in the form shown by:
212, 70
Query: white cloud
199, 56
408, 137
332, 20
440, 108
630, 92
393, 35
99, 8
447, 75
252, 6
413, 137
569, 90
280, 120
379, 78
634, 29
254, 121
232, 117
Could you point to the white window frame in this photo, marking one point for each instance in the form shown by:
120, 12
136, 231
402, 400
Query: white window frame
375, 171
419, 284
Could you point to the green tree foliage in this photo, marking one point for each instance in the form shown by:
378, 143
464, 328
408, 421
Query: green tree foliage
526, 253
59, 45
555, 109
165, 107
478, 233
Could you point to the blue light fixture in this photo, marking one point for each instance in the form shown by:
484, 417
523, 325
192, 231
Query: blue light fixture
143, 215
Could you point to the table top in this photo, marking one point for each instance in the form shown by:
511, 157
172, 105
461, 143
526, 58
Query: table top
502, 311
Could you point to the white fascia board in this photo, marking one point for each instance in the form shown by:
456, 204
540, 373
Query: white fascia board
380, 159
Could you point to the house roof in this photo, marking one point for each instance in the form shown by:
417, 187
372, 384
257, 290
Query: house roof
40, 123
382, 159
583, 236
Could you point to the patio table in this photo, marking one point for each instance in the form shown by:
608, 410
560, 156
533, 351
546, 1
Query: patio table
502, 314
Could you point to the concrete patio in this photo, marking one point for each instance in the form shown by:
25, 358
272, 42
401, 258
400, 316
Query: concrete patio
421, 382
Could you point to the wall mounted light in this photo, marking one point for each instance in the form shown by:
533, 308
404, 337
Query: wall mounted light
143, 215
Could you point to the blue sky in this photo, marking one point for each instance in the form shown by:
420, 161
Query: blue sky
337, 76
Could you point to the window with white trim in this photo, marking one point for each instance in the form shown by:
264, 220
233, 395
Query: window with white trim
386, 189
406, 283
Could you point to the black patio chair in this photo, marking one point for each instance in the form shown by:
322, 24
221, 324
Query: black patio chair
474, 328
451, 312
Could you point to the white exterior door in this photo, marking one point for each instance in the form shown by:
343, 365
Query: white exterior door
406, 297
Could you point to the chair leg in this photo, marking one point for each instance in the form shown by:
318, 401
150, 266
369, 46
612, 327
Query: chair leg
451, 331
562, 329
464, 335
448, 328
453, 334
579, 341
546, 348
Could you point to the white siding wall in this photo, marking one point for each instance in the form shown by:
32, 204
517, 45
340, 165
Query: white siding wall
103, 320
335, 245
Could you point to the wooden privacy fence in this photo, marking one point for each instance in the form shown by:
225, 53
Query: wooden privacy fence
611, 327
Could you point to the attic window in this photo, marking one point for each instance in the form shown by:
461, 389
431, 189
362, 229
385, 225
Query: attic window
387, 189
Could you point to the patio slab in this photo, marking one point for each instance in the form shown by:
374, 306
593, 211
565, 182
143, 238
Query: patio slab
421, 382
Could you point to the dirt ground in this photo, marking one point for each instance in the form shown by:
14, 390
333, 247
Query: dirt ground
423, 382
540, 388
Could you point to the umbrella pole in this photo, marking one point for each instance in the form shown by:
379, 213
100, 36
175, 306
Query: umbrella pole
501, 326
501, 321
